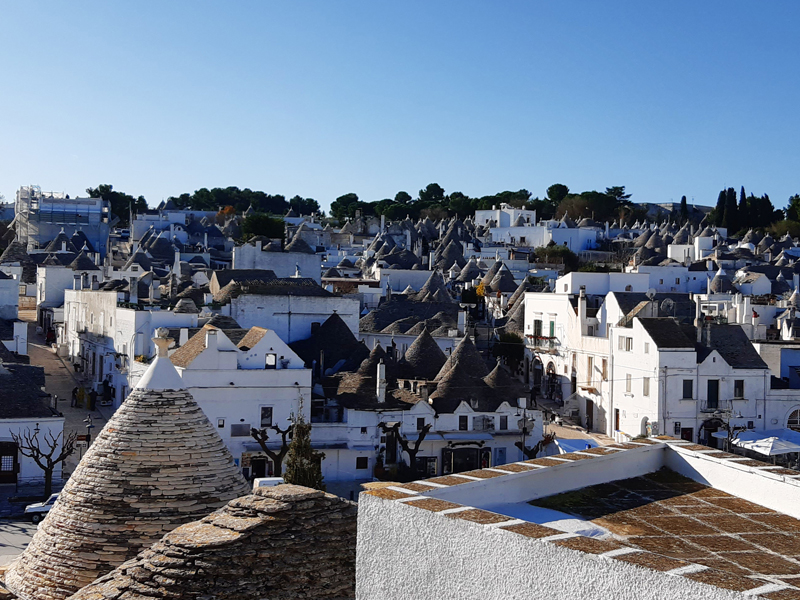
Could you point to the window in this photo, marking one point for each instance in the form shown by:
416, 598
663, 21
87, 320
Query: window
362, 462
483, 423
221, 423
738, 388
605, 369
23, 289
628, 383
677, 280
647, 347
537, 328
266, 416
522, 239
646, 386
794, 420
590, 330
661, 282
463, 422
590, 370
688, 389
503, 422
628, 288
626, 343
271, 361
420, 423
240, 429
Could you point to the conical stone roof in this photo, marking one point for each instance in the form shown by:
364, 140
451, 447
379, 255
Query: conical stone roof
470, 272
465, 355
157, 464
424, 358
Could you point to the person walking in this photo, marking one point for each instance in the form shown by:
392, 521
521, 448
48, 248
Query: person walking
74, 400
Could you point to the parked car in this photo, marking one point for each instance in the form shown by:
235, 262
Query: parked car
38, 510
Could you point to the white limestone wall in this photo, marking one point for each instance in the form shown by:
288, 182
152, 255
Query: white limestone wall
284, 264
9, 298
407, 553
291, 316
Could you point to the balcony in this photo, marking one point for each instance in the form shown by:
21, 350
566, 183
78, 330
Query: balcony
721, 407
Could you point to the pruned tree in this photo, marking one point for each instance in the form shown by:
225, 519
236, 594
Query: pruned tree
530, 453
46, 452
303, 463
262, 435
406, 445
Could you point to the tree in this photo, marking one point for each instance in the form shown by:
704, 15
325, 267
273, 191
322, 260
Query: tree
303, 463
433, 193
716, 215
530, 453
265, 225
406, 445
793, 208
511, 347
684, 213
344, 207
225, 213
121, 203
558, 254
744, 213
261, 436
304, 206
556, 193
45, 452
403, 198
731, 218
618, 193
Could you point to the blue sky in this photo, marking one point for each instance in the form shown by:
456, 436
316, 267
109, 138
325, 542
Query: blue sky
324, 98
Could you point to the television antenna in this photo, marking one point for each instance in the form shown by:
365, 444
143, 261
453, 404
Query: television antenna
668, 306
651, 293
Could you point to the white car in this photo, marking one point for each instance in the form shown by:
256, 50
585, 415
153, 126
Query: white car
38, 510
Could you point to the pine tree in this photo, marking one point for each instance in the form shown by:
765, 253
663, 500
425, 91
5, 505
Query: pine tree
731, 218
744, 212
684, 210
303, 463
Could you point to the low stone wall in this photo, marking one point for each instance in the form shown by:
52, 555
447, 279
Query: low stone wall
281, 543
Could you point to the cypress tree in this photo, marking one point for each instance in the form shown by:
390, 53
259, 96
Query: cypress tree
744, 212
719, 209
684, 210
730, 220
303, 463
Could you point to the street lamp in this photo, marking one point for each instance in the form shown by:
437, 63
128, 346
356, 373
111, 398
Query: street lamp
89, 427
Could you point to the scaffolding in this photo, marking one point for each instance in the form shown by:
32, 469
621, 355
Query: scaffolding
40, 216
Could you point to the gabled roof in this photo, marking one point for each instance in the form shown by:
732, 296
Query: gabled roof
83, 263
21, 395
225, 276
332, 342
732, 344
667, 333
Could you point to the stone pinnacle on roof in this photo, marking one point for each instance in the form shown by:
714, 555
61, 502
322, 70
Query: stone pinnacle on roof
157, 464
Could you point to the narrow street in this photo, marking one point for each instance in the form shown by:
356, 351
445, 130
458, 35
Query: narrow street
60, 380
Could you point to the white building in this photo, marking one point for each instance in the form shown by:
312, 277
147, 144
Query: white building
505, 216
283, 264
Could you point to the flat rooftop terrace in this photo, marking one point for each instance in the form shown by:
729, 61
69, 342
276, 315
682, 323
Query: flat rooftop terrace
713, 523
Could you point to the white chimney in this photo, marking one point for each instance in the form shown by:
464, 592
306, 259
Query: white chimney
211, 339
133, 292
76, 281
95, 283
381, 387
183, 337
462, 320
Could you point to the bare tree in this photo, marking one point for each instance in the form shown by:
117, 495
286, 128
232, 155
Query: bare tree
45, 452
406, 445
530, 453
262, 435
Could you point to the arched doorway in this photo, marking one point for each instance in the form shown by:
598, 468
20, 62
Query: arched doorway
706, 429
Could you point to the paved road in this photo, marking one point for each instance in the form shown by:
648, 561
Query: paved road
60, 380
14, 537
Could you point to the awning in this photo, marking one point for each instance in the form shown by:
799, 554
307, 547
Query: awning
474, 436
769, 443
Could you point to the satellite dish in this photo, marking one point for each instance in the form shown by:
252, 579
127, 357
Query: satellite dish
651, 293
667, 306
